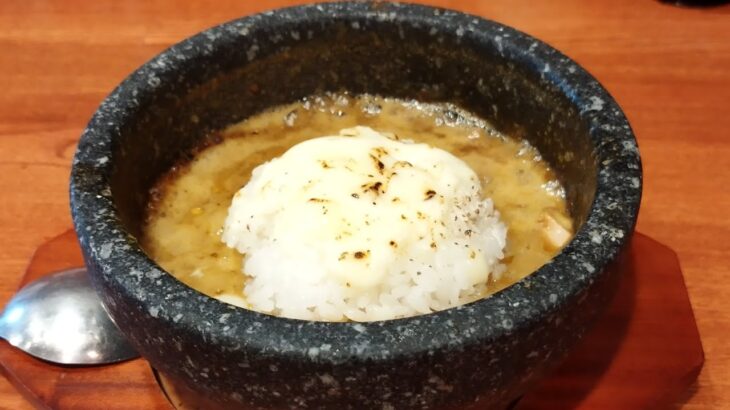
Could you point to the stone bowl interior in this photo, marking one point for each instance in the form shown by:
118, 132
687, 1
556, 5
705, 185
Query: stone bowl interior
525, 88
358, 57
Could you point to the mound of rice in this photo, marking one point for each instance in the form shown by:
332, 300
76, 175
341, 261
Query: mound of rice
364, 227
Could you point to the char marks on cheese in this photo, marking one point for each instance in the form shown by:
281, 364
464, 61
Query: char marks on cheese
360, 226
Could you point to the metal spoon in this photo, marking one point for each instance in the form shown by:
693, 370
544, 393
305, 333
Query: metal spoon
59, 318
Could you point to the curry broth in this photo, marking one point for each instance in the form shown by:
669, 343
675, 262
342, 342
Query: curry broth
190, 204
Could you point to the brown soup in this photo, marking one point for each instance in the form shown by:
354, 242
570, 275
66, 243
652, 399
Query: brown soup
190, 204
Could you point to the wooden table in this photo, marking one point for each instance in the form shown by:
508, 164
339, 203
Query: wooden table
668, 67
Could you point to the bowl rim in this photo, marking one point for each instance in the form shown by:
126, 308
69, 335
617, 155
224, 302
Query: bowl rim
597, 243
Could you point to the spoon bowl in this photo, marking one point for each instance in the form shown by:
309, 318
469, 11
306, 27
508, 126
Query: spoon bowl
59, 318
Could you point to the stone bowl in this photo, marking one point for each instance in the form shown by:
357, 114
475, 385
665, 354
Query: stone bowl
481, 355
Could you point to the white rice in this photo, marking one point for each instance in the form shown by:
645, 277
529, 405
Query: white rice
363, 227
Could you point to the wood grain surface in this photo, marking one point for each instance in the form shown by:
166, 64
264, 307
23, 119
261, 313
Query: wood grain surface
668, 67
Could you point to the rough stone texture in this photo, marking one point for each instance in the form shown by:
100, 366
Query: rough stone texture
483, 354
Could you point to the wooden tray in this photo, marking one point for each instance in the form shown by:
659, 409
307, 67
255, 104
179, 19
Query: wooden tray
644, 353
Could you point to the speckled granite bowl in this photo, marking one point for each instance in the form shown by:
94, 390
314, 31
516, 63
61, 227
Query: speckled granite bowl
481, 355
